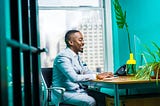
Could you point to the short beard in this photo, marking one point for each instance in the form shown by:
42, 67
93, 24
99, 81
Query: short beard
81, 51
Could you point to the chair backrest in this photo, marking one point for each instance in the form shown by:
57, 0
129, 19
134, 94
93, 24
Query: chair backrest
47, 75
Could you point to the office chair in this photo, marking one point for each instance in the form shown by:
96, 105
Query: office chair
46, 74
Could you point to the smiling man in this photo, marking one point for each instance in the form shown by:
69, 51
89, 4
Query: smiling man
69, 71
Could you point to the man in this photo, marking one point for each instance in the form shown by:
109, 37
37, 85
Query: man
69, 71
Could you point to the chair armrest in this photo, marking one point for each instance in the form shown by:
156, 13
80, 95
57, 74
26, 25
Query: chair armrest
59, 98
56, 88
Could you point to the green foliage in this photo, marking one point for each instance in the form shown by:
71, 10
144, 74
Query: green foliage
120, 16
155, 55
158, 51
121, 20
150, 68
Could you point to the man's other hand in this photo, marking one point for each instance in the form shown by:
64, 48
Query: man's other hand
104, 75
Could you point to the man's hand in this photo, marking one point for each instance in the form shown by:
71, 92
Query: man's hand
104, 75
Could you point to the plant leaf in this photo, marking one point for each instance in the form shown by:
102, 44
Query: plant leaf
158, 53
120, 16
150, 52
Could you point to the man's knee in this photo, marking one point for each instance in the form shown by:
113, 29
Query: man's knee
89, 102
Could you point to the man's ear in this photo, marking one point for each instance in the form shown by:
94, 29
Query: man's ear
70, 42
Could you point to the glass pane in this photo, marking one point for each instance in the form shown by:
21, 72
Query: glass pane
57, 3
55, 23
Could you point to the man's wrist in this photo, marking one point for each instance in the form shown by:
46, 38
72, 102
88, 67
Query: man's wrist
97, 75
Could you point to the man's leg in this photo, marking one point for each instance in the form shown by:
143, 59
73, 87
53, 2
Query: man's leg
78, 99
98, 96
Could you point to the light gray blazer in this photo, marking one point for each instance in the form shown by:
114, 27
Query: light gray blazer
68, 71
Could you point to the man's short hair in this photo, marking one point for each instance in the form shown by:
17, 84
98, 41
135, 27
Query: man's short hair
68, 36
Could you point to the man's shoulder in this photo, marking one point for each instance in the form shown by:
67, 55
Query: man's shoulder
65, 53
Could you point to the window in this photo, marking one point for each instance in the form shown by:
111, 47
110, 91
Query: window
69, 3
59, 16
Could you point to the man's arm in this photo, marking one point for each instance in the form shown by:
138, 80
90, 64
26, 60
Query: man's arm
65, 65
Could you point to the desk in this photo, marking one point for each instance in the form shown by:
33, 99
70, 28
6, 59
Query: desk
122, 82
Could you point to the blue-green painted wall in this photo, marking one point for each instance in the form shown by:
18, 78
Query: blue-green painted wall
143, 18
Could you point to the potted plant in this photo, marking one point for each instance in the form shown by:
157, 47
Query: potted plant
150, 69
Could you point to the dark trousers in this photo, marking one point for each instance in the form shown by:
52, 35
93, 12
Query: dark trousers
98, 96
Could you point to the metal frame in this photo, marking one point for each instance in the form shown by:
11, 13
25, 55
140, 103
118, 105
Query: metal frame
19, 33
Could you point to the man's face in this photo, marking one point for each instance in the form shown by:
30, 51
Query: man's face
76, 42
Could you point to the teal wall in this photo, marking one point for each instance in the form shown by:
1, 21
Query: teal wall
143, 18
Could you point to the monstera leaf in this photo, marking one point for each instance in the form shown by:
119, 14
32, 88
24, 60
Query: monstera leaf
121, 20
120, 16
